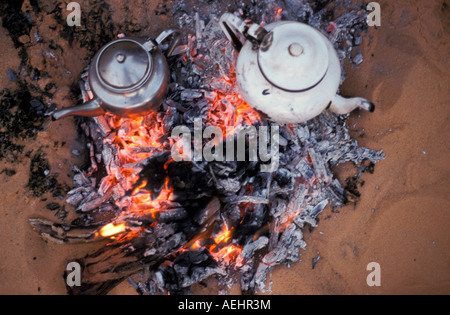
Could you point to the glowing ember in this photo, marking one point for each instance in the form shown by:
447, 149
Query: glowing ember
220, 249
142, 203
111, 229
229, 109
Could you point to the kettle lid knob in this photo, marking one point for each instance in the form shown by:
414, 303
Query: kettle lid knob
296, 50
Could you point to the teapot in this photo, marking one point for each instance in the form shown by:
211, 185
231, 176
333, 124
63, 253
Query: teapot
288, 70
129, 77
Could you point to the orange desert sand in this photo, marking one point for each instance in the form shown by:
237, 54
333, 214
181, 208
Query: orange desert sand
402, 220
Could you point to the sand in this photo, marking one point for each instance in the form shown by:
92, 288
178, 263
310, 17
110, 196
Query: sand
401, 221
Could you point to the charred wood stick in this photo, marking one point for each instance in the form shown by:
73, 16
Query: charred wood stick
94, 203
109, 266
64, 234
104, 270
245, 199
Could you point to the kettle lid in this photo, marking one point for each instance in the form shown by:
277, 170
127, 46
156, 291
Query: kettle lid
124, 65
294, 57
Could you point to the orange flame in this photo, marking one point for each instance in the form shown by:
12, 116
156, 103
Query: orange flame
228, 254
224, 236
138, 189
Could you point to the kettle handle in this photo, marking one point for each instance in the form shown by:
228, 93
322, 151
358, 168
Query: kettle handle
232, 26
166, 35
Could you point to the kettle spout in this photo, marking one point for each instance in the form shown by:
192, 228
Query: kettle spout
342, 106
90, 109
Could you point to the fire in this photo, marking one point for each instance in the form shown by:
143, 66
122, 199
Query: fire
220, 250
111, 229
228, 254
224, 236
139, 139
136, 140
141, 202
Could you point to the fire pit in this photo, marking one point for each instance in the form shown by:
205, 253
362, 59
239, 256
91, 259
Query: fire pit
188, 192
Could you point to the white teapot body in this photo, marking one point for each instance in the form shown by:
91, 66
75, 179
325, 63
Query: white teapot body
288, 70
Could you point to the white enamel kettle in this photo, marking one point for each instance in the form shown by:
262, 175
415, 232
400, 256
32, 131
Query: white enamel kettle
288, 70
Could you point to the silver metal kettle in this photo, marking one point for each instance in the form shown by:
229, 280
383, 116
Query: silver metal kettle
129, 77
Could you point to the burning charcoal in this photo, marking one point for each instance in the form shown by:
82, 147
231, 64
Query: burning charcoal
172, 215
144, 149
180, 50
245, 199
224, 169
62, 234
93, 203
80, 190
190, 95
318, 209
229, 185
309, 216
232, 214
102, 125
171, 119
286, 250
81, 180
178, 106
284, 178
251, 223
199, 256
278, 207
250, 249
303, 133
107, 207
318, 163
192, 114
199, 26
169, 280
210, 96
189, 183
153, 176
194, 266
282, 141
209, 213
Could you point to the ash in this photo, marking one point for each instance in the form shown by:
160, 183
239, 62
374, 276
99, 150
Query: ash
262, 214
